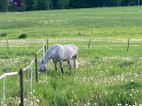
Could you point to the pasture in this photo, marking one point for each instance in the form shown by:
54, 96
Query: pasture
118, 22
107, 75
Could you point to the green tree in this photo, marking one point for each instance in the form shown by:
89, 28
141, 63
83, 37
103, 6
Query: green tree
44, 4
49, 4
3, 5
30, 4
63, 3
94, 3
78, 3
55, 4
129, 2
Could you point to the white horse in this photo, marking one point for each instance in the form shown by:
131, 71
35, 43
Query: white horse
60, 53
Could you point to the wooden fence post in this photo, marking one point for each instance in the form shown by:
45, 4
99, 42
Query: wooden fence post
21, 87
36, 69
47, 44
89, 43
45, 48
128, 44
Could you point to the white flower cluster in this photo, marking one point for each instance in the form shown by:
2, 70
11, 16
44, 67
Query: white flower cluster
14, 61
32, 101
57, 21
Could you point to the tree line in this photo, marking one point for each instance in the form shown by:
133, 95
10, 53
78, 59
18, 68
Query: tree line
65, 4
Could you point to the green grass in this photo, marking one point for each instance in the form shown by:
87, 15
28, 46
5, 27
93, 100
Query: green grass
117, 22
105, 76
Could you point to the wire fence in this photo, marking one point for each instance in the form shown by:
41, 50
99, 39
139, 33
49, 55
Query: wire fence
79, 42
29, 68
19, 43
99, 43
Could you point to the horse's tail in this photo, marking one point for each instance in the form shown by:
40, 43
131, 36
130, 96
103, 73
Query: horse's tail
76, 64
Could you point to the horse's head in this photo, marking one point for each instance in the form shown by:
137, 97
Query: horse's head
42, 67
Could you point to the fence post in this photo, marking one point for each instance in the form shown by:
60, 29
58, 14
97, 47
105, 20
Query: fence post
31, 77
36, 67
44, 49
3, 100
7, 46
21, 87
28, 83
89, 43
128, 44
47, 44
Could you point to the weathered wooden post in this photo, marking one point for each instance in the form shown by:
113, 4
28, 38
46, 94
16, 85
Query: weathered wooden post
36, 69
44, 49
47, 44
128, 44
89, 43
21, 87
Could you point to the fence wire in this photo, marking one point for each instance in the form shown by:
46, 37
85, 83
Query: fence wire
112, 46
20, 43
78, 42
4, 78
30, 74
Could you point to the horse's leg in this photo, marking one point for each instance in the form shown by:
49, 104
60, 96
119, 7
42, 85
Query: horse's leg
61, 65
55, 64
69, 63
75, 62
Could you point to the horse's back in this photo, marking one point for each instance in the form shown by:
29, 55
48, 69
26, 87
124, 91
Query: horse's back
61, 46
64, 52
72, 48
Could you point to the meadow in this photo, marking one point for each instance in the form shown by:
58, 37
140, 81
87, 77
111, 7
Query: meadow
106, 76
118, 22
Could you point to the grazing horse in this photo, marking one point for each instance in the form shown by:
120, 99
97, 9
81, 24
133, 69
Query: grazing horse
60, 53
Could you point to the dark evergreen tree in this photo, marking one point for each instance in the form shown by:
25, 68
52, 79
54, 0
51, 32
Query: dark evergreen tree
129, 2
63, 3
55, 4
132, 2
4, 5
44, 4
30, 4
49, 4
78, 3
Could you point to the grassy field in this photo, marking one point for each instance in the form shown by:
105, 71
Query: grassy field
106, 76
118, 22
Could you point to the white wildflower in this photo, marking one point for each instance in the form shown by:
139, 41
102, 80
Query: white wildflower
72, 100
37, 100
89, 103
